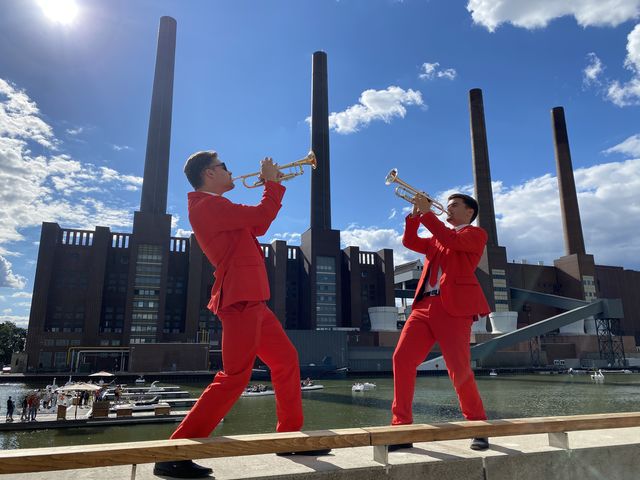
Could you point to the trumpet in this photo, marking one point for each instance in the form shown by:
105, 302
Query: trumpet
310, 159
407, 192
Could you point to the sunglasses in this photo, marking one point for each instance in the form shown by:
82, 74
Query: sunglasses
221, 164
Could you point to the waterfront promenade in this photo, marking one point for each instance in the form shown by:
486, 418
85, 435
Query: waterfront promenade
612, 454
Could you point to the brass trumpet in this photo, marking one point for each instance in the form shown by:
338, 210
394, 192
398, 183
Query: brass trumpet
407, 192
310, 159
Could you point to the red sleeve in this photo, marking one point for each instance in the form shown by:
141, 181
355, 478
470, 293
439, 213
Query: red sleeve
233, 216
466, 240
410, 239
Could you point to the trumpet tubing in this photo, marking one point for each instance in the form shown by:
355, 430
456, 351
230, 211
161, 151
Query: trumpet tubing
310, 160
408, 193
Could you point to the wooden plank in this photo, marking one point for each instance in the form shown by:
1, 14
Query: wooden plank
100, 455
88, 456
499, 428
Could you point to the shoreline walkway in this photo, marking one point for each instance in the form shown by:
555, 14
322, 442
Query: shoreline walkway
595, 454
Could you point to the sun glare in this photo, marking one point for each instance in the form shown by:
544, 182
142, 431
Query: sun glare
60, 11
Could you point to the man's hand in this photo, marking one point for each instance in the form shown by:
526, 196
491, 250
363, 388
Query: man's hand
421, 204
269, 171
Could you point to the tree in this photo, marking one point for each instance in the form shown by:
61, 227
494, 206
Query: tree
12, 339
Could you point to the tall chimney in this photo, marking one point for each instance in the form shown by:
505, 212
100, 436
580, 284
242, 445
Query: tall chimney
573, 239
320, 178
481, 171
156, 163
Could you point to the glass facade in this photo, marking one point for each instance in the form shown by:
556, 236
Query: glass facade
325, 292
146, 294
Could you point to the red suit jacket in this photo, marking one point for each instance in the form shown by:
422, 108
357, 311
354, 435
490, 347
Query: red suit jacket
227, 232
457, 253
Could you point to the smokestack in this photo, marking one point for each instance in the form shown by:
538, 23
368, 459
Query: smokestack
320, 178
481, 171
156, 163
573, 239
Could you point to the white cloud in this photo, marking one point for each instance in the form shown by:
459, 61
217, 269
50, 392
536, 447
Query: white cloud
183, 233
19, 321
374, 105
47, 187
630, 147
393, 214
74, 131
8, 278
592, 72
372, 239
21, 295
119, 148
432, 70
50, 187
609, 210
292, 238
532, 14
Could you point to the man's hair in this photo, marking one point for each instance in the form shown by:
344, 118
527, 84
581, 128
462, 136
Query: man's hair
469, 201
196, 164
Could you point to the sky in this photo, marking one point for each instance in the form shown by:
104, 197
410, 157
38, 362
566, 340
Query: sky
75, 92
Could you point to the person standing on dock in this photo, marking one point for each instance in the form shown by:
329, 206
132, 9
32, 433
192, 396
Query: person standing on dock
227, 233
10, 406
448, 298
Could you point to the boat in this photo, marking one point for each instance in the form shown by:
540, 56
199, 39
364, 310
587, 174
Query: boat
362, 386
257, 391
597, 377
308, 388
493, 373
140, 380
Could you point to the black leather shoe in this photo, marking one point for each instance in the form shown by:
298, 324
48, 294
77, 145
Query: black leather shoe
399, 446
181, 469
480, 443
309, 453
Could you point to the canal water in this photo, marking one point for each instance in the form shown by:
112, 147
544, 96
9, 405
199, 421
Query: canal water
336, 406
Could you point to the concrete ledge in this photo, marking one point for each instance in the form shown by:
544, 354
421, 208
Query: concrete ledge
612, 454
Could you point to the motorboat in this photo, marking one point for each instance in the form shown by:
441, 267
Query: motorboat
140, 380
493, 373
258, 390
313, 386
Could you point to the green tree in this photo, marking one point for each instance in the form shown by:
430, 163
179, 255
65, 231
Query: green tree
12, 339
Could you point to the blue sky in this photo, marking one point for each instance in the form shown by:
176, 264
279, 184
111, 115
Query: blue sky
75, 97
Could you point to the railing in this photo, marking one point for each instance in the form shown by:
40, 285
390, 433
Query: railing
134, 453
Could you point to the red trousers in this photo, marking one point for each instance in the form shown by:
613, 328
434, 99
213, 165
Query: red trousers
427, 324
250, 329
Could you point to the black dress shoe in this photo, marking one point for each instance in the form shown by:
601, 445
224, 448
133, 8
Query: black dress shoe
481, 443
310, 453
399, 446
181, 469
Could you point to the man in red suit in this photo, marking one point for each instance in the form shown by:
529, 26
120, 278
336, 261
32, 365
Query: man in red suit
447, 299
227, 233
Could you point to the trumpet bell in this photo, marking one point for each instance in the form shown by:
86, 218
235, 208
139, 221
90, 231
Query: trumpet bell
391, 176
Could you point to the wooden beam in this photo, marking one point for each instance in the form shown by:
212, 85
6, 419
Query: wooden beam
101, 455
499, 428
135, 453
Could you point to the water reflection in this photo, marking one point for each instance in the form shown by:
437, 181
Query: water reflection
337, 407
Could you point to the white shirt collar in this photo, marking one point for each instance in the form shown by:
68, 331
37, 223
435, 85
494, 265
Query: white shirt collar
460, 227
214, 194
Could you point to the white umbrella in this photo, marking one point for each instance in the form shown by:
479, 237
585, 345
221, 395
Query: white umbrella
80, 387
102, 374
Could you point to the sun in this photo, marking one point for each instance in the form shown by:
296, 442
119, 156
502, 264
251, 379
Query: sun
60, 11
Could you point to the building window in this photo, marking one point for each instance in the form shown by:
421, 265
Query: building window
326, 303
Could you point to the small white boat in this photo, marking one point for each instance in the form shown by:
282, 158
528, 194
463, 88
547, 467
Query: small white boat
308, 388
263, 393
362, 386
493, 373
597, 377
140, 380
